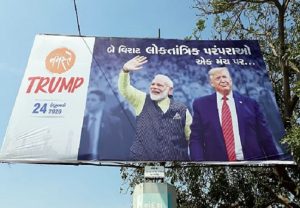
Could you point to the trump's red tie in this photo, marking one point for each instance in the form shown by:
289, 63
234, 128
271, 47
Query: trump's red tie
228, 130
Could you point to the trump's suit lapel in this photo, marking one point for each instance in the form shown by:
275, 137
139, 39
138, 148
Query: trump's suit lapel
239, 105
213, 112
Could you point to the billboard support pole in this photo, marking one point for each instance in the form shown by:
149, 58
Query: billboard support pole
154, 192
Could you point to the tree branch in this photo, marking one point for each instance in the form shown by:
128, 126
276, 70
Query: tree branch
286, 4
294, 101
293, 66
237, 18
286, 181
273, 49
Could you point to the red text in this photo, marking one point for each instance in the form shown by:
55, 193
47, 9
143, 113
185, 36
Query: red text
53, 84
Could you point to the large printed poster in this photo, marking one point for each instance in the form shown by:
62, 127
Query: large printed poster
87, 99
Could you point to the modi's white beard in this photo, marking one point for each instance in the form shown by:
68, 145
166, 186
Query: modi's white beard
160, 96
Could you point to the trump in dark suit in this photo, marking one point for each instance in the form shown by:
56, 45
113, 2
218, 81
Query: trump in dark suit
228, 126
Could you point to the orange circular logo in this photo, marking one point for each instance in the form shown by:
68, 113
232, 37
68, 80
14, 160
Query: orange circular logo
60, 60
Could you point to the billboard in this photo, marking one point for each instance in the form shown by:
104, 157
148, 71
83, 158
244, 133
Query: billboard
89, 99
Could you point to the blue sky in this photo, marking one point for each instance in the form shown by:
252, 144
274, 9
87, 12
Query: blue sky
27, 186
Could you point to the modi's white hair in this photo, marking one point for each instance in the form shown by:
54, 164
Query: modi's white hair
166, 79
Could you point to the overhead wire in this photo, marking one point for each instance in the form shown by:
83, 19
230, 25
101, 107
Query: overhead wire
236, 20
100, 68
77, 18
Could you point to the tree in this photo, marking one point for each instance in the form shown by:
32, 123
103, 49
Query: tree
215, 186
276, 24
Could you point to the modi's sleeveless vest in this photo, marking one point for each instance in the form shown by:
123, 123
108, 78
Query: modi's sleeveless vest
160, 136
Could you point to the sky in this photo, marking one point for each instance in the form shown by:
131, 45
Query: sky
29, 186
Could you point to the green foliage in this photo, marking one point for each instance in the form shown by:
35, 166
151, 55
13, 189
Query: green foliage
200, 25
196, 34
221, 6
293, 141
297, 88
